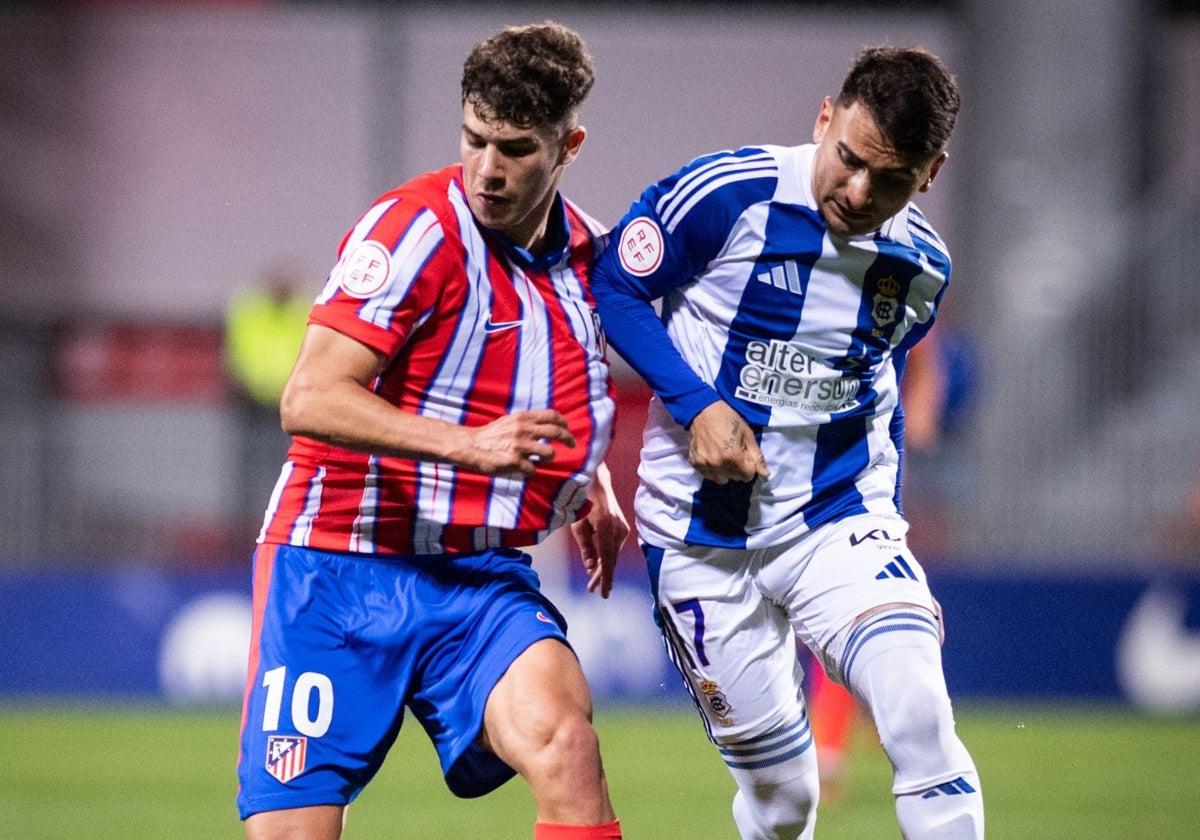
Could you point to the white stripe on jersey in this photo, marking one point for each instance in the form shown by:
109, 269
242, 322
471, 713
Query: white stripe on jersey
691, 189
570, 499
362, 532
276, 496
302, 527
572, 295
453, 381
532, 367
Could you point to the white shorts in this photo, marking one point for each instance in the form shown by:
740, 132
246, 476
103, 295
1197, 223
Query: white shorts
731, 617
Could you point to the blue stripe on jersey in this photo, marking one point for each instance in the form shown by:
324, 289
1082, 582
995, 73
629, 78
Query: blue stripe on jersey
842, 453
882, 308
896, 429
719, 513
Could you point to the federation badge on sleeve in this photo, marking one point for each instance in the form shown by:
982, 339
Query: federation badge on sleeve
365, 270
641, 247
285, 756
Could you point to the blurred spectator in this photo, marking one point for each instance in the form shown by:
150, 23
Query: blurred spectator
264, 325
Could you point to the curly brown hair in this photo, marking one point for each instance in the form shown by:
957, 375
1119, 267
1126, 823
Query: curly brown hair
912, 97
529, 76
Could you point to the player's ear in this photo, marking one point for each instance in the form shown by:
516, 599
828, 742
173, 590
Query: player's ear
571, 144
823, 118
933, 171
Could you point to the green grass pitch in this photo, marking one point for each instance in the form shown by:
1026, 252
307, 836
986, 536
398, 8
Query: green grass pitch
1049, 773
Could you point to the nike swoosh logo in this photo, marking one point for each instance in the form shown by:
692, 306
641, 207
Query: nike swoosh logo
1157, 657
490, 326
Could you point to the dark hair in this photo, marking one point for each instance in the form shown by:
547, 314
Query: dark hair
529, 76
912, 97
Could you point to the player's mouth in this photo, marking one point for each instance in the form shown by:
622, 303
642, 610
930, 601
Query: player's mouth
491, 201
854, 220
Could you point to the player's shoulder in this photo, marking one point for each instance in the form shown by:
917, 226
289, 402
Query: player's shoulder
426, 201
731, 179
755, 161
911, 229
921, 232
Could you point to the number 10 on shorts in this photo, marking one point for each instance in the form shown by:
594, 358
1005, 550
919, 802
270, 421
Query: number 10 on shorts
303, 718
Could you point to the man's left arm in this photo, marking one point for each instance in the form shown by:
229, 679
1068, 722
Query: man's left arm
601, 533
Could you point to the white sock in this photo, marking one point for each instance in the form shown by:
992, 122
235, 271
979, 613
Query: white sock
950, 811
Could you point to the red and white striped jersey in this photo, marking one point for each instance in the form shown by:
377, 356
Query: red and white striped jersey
474, 328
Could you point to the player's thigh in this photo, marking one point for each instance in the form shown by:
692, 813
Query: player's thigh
543, 692
733, 646
319, 822
843, 572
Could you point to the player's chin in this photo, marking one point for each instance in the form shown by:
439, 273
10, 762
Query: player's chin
846, 224
491, 212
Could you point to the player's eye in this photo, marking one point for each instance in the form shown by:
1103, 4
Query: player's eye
894, 181
517, 150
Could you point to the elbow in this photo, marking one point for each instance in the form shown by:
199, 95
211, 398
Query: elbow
295, 410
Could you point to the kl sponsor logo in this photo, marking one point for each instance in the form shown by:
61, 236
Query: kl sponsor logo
875, 534
285, 756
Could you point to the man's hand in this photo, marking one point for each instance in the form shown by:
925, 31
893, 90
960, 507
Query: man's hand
601, 534
723, 447
514, 444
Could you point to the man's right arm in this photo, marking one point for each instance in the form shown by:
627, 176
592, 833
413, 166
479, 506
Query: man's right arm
328, 398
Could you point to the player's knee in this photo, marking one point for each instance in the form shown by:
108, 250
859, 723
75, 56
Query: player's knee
778, 783
893, 661
566, 749
776, 810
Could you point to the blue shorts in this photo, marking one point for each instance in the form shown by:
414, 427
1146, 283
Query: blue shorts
342, 643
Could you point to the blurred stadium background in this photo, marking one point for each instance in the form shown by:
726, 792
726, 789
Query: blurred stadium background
160, 157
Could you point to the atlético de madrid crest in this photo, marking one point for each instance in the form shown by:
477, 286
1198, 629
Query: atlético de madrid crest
285, 756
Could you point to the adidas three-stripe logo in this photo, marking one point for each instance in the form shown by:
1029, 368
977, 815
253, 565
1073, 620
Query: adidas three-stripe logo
959, 785
785, 277
898, 568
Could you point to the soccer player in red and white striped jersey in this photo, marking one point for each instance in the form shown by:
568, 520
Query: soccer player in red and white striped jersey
450, 404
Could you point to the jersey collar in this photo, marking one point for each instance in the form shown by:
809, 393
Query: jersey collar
558, 239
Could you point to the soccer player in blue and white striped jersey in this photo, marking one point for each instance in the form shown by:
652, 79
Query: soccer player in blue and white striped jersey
793, 282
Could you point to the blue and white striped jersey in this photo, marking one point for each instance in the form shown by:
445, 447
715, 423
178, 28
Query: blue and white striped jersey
802, 333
